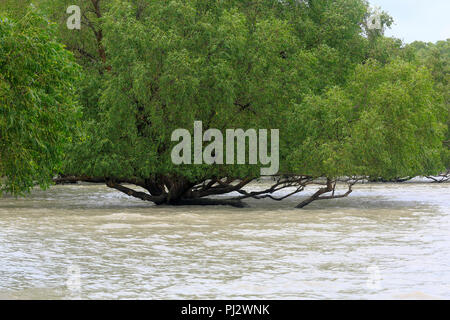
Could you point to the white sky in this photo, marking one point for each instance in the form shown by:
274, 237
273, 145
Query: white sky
424, 20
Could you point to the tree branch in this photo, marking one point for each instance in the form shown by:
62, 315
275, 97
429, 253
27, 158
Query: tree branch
330, 187
132, 193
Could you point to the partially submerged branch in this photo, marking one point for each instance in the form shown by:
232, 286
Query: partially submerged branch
330, 187
444, 177
178, 191
211, 202
136, 194
282, 183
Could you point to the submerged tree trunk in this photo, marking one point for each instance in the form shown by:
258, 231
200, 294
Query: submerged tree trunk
178, 191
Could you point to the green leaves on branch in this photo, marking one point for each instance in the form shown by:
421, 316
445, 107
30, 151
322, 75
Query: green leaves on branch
37, 102
386, 122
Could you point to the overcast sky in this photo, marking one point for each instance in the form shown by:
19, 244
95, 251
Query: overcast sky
424, 20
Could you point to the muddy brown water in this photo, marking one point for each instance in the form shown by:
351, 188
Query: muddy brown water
387, 241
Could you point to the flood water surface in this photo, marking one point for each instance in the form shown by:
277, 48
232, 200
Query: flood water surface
386, 241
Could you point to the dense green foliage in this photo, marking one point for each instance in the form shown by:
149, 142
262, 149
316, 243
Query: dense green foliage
37, 106
436, 57
383, 123
347, 100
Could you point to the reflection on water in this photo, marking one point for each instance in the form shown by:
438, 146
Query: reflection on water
385, 241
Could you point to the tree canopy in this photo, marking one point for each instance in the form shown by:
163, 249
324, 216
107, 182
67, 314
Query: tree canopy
348, 101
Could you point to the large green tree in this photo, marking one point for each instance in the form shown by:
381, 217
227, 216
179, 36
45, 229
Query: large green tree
348, 101
37, 102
